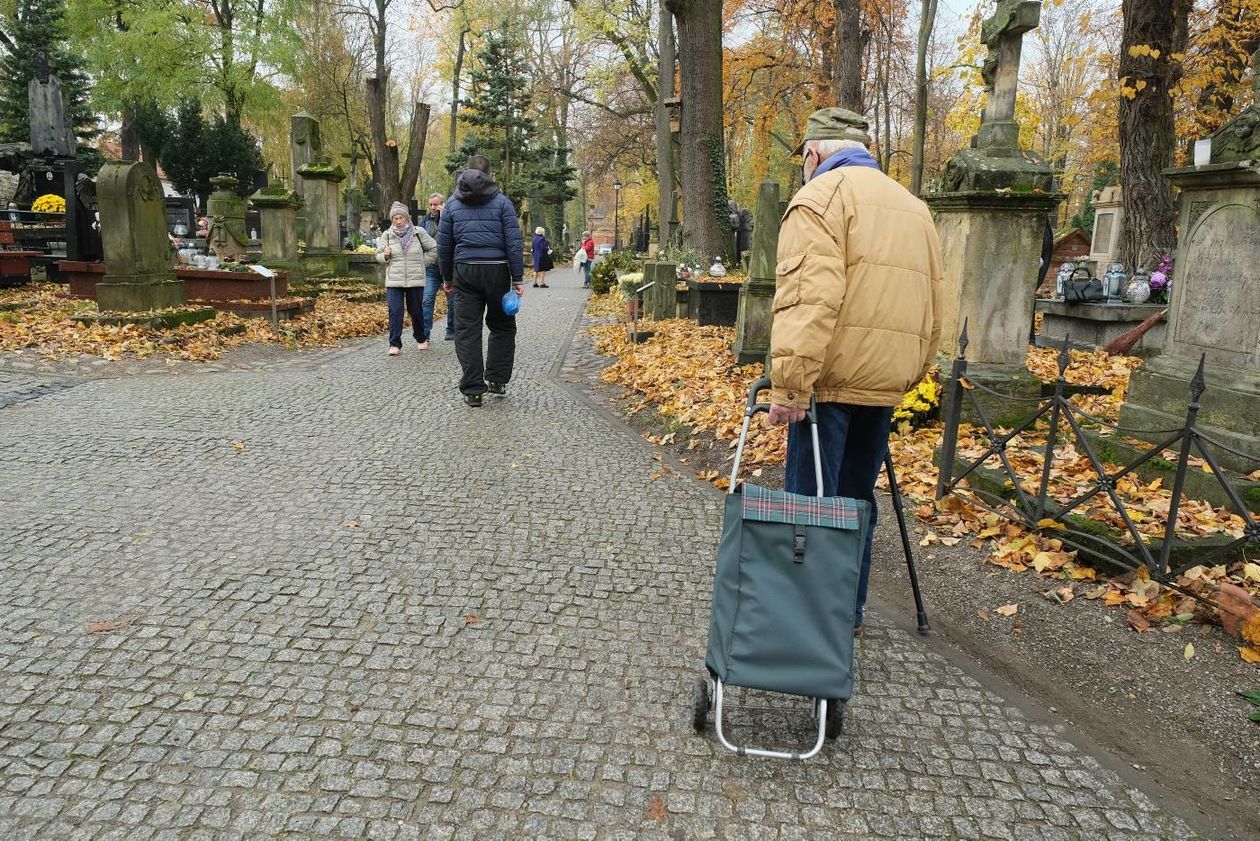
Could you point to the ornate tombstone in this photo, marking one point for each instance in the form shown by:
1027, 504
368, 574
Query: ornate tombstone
278, 207
305, 146
1215, 308
1108, 216
138, 268
226, 215
51, 132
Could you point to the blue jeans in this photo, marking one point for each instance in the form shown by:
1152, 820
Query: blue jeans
395, 298
586, 273
853, 440
432, 283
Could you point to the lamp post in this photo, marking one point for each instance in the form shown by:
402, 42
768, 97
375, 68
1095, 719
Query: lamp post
617, 215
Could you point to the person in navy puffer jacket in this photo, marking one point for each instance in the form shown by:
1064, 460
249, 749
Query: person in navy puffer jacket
481, 254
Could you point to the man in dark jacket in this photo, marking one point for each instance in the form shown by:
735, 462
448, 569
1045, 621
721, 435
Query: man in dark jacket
433, 277
481, 253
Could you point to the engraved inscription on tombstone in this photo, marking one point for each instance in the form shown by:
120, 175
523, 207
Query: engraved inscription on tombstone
1219, 301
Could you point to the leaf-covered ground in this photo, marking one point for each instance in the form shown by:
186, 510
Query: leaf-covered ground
687, 374
44, 318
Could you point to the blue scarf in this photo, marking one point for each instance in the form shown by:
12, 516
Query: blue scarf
846, 157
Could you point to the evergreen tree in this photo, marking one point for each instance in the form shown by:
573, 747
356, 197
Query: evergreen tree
36, 29
197, 150
1104, 176
498, 111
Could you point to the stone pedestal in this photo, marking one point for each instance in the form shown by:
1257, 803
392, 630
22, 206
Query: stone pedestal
323, 257
278, 208
139, 274
1214, 313
990, 247
1098, 325
305, 147
756, 296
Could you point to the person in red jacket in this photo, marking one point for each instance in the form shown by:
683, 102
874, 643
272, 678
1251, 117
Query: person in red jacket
588, 247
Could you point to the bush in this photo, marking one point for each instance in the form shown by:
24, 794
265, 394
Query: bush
604, 272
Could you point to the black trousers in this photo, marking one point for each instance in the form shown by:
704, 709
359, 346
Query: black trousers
479, 288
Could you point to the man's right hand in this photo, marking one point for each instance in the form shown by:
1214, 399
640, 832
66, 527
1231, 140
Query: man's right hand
520, 289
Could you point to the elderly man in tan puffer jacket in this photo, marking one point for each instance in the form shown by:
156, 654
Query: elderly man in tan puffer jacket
856, 312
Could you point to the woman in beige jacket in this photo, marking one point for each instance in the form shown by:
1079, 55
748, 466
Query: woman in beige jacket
406, 252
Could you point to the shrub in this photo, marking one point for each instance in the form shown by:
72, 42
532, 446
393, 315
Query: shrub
604, 272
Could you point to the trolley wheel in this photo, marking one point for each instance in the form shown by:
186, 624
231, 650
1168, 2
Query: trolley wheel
700, 705
835, 718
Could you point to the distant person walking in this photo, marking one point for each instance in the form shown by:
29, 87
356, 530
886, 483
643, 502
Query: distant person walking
433, 276
481, 253
587, 248
542, 257
407, 252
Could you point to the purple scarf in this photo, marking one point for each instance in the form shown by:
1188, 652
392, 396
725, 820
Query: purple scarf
405, 235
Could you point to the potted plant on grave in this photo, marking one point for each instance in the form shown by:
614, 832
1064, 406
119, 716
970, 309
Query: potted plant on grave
629, 286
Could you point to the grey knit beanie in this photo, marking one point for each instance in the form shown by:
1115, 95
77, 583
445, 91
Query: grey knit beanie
397, 208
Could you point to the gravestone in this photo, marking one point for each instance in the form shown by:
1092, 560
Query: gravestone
225, 212
1214, 313
278, 207
138, 268
1104, 247
756, 296
51, 132
324, 256
990, 214
305, 146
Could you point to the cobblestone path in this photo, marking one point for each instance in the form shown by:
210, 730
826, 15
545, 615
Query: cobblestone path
356, 608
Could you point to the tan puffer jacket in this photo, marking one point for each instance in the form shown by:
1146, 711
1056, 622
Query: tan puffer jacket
857, 295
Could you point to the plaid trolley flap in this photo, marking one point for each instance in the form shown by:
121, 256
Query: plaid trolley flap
785, 592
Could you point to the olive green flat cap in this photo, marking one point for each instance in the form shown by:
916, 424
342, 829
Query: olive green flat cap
835, 124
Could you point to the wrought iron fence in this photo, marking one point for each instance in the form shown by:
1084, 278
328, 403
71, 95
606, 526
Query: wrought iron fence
1039, 511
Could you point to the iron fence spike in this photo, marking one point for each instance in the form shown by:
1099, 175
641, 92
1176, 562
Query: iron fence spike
963, 340
1065, 355
1198, 385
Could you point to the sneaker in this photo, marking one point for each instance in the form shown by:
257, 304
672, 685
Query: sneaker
394, 351
422, 345
473, 400
497, 388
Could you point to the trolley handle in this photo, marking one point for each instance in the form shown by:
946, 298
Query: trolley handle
752, 409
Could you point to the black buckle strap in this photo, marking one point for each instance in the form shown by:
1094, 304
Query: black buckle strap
798, 544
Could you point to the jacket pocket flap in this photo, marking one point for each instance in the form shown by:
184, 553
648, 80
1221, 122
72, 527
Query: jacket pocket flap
789, 265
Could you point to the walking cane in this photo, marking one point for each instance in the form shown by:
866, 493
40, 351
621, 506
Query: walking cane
895, 492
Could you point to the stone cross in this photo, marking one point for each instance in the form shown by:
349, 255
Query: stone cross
1003, 34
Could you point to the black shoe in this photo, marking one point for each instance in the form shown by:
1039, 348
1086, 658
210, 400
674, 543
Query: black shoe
473, 400
450, 337
497, 388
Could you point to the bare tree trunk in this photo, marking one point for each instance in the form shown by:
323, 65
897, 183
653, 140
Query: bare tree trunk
668, 198
846, 77
927, 22
455, 78
415, 150
385, 164
127, 136
705, 225
1147, 131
